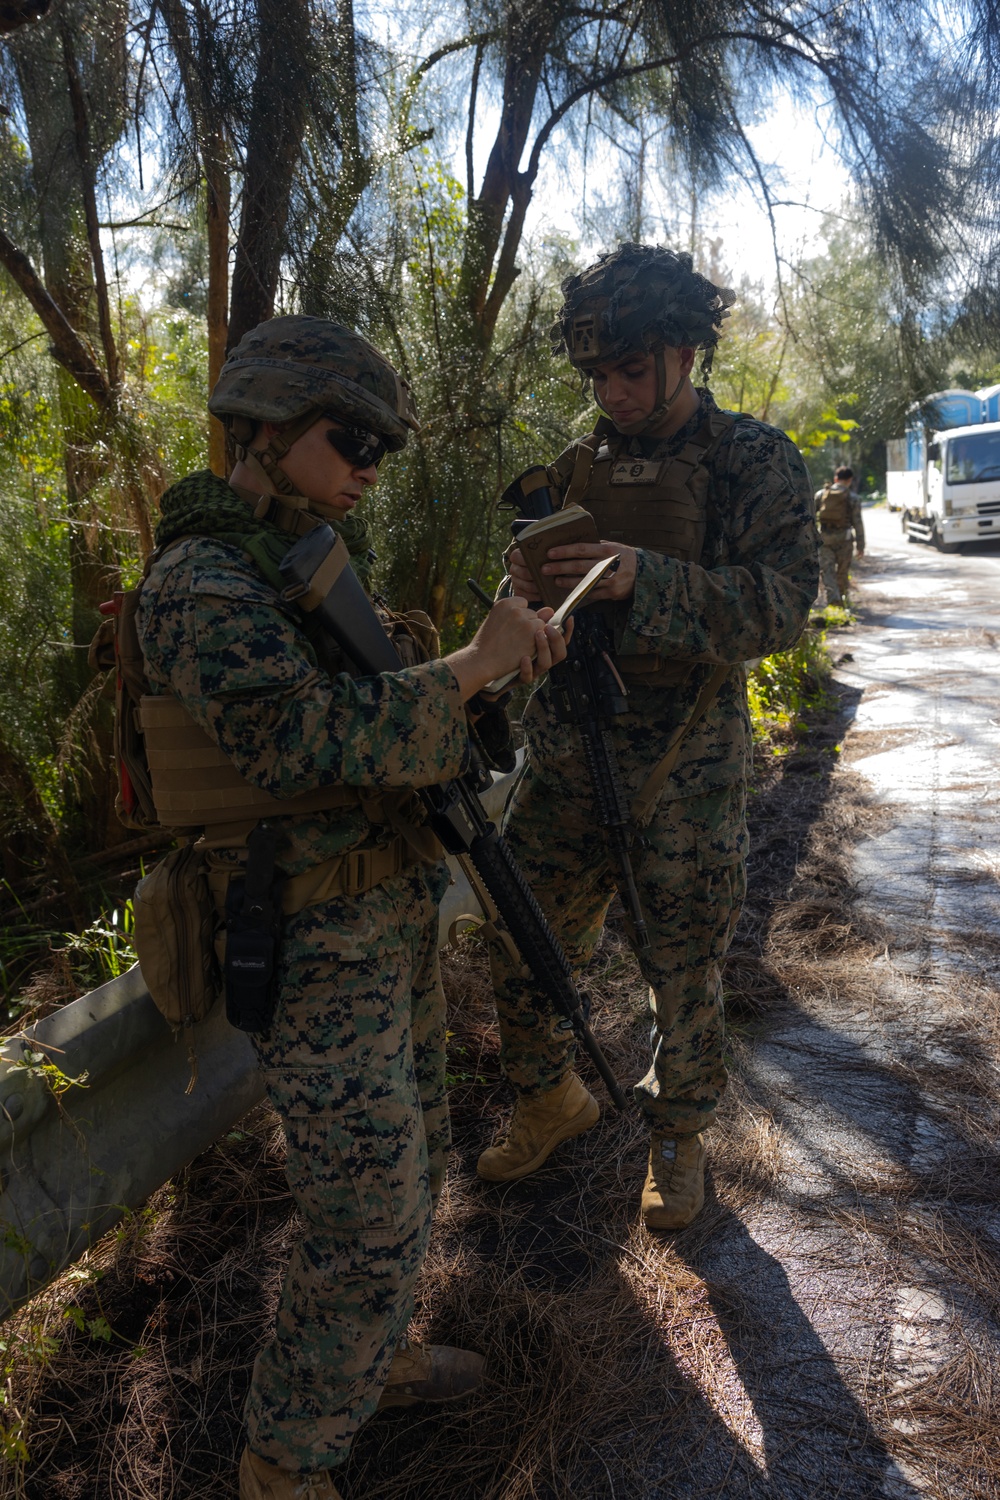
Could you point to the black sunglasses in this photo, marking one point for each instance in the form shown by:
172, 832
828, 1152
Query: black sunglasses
360, 447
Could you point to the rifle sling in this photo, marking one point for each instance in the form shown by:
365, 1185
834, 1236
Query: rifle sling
582, 467
645, 803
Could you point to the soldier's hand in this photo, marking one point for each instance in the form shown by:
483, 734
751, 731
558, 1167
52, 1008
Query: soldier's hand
521, 580
567, 565
512, 638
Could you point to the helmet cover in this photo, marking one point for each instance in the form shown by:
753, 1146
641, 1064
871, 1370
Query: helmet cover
638, 297
287, 367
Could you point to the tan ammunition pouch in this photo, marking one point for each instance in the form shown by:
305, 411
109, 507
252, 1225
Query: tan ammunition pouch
658, 505
834, 512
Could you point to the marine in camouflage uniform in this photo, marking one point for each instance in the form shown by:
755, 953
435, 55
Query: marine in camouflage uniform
354, 1058
839, 541
740, 593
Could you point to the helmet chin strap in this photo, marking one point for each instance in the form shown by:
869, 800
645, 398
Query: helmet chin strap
265, 463
661, 404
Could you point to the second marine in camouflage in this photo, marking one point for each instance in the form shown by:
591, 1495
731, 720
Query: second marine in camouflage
713, 517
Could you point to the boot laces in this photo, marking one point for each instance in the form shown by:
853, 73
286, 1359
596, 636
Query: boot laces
520, 1126
313, 1487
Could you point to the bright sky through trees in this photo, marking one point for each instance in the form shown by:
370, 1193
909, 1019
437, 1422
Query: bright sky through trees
806, 177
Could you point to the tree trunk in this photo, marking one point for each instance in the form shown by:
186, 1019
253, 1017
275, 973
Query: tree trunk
218, 194
193, 50
528, 40
274, 145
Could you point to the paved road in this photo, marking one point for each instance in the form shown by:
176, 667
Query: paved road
927, 738
928, 664
867, 1277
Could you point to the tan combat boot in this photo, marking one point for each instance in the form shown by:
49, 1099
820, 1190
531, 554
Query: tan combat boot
540, 1122
260, 1480
431, 1372
675, 1183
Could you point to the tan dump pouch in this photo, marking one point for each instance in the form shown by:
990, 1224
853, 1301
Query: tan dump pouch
174, 932
196, 785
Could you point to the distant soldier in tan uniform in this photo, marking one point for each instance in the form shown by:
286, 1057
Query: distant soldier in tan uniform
712, 516
841, 528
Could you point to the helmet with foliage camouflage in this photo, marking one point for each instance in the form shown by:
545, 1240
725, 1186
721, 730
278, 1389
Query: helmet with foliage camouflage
292, 370
638, 297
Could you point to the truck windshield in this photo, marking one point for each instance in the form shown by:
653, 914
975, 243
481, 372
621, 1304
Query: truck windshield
972, 459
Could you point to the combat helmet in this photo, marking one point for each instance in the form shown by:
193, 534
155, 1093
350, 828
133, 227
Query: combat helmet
295, 369
640, 298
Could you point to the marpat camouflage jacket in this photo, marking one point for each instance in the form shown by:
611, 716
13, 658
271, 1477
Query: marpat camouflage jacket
219, 637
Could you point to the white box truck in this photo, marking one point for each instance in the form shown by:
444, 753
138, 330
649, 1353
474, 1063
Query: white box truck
944, 475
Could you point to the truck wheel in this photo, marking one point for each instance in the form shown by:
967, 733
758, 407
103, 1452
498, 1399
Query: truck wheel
941, 544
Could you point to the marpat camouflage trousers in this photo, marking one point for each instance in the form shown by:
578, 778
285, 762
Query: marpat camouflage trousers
691, 881
355, 1066
835, 564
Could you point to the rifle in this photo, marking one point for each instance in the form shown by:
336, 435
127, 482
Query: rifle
588, 692
321, 581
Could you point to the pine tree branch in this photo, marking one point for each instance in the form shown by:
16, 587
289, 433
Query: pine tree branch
67, 346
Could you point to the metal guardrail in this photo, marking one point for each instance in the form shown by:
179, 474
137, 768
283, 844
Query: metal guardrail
75, 1158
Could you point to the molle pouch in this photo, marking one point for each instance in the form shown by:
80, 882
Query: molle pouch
253, 932
413, 634
174, 937
251, 964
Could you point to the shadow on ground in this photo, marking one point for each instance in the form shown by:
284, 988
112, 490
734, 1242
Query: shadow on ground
720, 1362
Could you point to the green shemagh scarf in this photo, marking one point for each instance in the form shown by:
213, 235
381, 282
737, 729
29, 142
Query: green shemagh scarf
204, 505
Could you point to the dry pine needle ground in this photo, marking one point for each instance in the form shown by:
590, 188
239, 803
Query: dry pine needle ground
619, 1364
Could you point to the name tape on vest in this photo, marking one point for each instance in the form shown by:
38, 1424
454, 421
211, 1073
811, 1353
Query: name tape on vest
636, 471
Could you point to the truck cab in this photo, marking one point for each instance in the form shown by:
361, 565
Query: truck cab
945, 477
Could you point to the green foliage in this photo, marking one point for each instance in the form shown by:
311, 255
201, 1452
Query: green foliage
36, 692
102, 951
98, 1328
858, 357
487, 412
785, 688
34, 1064
170, 354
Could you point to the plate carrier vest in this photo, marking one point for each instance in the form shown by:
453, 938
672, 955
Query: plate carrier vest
172, 775
834, 511
657, 504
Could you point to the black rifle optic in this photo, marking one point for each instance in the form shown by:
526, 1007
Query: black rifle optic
587, 691
321, 580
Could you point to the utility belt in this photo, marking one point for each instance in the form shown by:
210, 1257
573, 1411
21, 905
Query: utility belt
832, 531
205, 919
351, 874
652, 670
